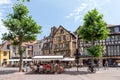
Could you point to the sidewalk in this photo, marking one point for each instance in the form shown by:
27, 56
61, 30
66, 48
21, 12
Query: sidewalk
69, 74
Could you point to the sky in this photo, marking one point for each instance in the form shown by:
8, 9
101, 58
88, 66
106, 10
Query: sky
68, 13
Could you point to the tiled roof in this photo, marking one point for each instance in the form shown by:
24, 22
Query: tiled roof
111, 25
65, 30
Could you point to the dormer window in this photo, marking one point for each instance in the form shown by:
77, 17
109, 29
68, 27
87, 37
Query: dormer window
8, 46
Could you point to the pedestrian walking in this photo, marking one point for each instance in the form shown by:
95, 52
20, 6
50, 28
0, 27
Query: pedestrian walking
98, 64
106, 64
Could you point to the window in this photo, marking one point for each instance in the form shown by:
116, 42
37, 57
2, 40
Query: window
8, 46
116, 38
59, 39
55, 45
67, 53
111, 50
58, 45
45, 45
64, 37
111, 30
116, 29
15, 53
61, 53
30, 46
5, 61
61, 45
14, 48
117, 49
112, 38
5, 53
62, 31
50, 45
85, 52
29, 52
108, 50
66, 45
34, 53
108, 40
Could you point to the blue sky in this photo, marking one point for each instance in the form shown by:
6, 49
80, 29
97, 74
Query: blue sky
68, 13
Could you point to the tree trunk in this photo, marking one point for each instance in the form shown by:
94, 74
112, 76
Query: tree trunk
92, 61
21, 58
21, 63
92, 44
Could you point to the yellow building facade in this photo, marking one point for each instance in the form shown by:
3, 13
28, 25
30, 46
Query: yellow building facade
4, 56
4, 53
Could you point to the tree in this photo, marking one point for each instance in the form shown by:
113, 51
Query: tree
93, 29
22, 28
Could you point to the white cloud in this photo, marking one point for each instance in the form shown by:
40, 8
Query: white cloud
2, 30
4, 5
2, 2
77, 10
87, 5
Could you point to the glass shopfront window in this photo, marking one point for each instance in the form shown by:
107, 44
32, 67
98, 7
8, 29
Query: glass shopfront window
116, 29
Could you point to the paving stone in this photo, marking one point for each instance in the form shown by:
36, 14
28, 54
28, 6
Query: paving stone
69, 74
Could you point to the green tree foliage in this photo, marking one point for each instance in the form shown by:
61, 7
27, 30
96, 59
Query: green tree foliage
95, 50
93, 29
22, 28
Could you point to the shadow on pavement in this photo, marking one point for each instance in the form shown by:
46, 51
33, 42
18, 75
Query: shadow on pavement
34, 73
29, 73
4, 72
77, 72
65, 72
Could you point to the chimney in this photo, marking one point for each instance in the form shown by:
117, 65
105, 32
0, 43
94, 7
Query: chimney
53, 30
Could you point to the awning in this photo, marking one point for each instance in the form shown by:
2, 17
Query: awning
19, 60
48, 58
51, 57
68, 59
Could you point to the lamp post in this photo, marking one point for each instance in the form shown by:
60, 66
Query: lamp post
77, 59
77, 54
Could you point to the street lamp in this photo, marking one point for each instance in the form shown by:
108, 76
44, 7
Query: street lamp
77, 54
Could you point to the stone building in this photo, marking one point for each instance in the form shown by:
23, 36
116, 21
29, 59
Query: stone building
113, 41
28, 53
64, 43
37, 48
48, 42
111, 45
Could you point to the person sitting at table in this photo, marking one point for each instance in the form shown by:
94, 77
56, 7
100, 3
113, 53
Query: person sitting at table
47, 68
41, 68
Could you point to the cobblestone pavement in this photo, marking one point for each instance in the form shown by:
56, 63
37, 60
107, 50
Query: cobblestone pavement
69, 74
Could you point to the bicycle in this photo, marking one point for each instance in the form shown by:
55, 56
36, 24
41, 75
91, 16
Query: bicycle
91, 69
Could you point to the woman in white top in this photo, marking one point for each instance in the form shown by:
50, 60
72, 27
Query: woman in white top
41, 69
35, 68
